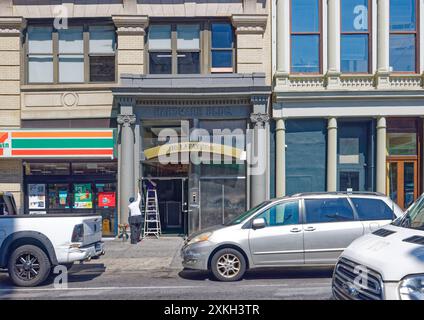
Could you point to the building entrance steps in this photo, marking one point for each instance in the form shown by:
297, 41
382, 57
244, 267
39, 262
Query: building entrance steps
150, 254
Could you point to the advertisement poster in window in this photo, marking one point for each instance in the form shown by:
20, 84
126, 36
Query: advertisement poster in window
63, 196
83, 196
37, 196
106, 199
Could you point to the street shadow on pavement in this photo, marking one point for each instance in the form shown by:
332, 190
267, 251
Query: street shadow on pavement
266, 273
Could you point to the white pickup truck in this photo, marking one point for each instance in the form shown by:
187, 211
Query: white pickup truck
31, 245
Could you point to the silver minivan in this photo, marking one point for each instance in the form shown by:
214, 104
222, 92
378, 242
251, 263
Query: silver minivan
302, 230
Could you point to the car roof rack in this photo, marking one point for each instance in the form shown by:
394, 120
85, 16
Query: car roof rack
335, 193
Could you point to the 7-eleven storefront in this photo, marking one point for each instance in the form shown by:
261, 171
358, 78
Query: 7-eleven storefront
65, 171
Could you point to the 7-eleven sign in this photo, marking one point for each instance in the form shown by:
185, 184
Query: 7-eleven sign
5, 149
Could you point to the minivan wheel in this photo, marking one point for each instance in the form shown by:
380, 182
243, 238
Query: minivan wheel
228, 265
28, 266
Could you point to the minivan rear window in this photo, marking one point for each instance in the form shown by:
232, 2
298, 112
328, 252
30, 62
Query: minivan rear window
328, 210
372, 209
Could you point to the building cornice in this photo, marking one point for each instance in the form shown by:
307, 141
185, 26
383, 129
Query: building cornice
131, 24
11, 26
249, 23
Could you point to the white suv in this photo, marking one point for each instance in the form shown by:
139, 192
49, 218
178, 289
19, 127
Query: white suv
387, 264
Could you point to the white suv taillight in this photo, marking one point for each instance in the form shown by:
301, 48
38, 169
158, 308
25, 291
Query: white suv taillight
78, 233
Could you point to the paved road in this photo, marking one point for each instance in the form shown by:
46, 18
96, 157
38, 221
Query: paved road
91, 282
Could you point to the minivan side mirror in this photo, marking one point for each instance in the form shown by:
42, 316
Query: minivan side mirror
258, 223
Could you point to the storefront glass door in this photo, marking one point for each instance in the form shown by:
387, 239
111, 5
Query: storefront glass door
403, 184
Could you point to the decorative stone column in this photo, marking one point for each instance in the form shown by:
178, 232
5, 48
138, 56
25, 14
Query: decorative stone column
333, 44
283, 43
250, 29
383, 38
126, 119
381, 155
130, 32
258, 148
332, 155
280, 167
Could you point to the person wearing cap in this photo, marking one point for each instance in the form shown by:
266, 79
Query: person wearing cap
135, 218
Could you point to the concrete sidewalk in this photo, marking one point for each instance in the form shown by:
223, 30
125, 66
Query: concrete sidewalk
161, 254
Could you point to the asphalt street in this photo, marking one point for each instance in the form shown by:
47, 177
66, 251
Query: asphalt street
93, 282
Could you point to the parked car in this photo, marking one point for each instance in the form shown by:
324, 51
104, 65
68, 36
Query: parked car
387, 264
31, 245
301, 230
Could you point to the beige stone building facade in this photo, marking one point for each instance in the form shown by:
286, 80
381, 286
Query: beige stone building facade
52, 80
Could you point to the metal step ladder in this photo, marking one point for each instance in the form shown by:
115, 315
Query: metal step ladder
152, 225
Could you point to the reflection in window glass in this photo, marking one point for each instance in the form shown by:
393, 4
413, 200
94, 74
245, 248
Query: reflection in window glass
188, 36
354, 15
402, 52
222, 47
328, 210
301, 22
402, 15
349, 180
305, 53
160, 63
282, 214
40, 57
372, 209
160, 37
409, 183
48, 169
71, 68
402, 144
188, 62
354, 53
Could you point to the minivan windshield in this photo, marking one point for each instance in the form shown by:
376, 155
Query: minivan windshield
245, 215
414, 217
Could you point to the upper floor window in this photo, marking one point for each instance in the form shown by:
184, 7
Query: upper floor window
306, 36
79, 54
355, 40
403, 35
190, 48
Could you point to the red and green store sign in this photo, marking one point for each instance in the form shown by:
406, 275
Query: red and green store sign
57, 143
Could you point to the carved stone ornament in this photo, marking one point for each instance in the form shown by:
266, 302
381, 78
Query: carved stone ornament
126, 119
11, 26
259, 118
126, 24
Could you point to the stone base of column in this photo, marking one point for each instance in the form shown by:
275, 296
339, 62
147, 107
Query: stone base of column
282, 79
382, 80
332, 80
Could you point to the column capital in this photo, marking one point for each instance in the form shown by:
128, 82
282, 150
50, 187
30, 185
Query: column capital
11, 26
332, 123
249, 23
259, 119
280, 124
381, 123
130, 24
126, 119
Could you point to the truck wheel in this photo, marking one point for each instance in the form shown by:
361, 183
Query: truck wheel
28, 266
228, 265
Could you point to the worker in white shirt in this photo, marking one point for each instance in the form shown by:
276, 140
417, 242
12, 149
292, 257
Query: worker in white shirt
135, 218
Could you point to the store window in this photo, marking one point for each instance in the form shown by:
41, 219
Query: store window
82, 53
403, 35
306, 36
355, 36
65, 187
179, 48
